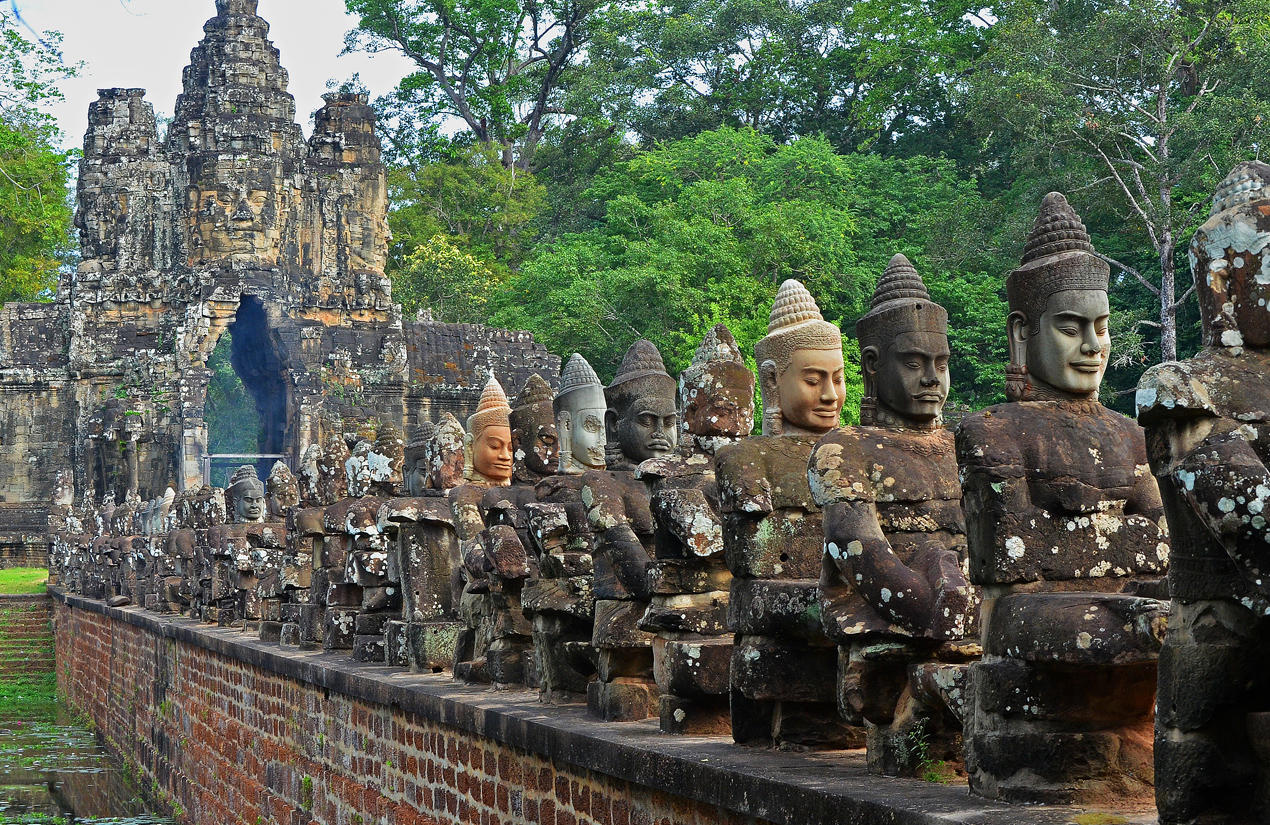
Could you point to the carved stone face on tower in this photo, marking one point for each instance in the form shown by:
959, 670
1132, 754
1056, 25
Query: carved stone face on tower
641, 418
800, 366
904, 352
1230, 264
580, 408
1059, 341
537, 445
248, 494
489, 438
717, 390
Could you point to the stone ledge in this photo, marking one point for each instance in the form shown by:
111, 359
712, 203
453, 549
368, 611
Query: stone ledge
797, 789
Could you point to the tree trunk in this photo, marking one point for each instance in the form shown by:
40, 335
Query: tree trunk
1168, 308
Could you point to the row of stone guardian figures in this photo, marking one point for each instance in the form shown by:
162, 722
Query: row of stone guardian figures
1003, 597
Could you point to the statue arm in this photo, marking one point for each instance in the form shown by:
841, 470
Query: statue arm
616, 538
859, 549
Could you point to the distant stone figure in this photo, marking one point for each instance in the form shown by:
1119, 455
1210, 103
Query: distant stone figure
247, 493
895, 596
415, 470
1207, 436
783, 665
536, 441
1064, 522
580, 411
688, 579
641, 421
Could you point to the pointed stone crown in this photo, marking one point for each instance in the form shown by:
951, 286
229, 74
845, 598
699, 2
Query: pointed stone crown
795, 323
224, 7
535, 391
1245, 183
642, 373
533, 406
716, 363
244, 477
1058, 256
492, 410
577, 376
417, 447
719, 346
901, 303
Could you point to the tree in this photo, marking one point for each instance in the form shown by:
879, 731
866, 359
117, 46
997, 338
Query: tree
35, 216
498, 66
1144, 104
446, 281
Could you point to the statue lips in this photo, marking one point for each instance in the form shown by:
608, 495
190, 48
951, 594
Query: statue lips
1086, 366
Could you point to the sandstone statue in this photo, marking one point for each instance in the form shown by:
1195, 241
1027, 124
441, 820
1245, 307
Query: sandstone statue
894, 593
688, 581
1067, 537
1206, 421
783, 665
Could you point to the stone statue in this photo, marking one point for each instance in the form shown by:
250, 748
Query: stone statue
487, 445
580, 413
688, 579
783, 664
386, 460
415, 470
537, 444
1206, 422
641, 423
1064, 523
894, 594
446, 456
283, 491
246, 496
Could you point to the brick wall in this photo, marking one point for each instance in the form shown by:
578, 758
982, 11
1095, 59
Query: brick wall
26, 635
236, 730
23, 551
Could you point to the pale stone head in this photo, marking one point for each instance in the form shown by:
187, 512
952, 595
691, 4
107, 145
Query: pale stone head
488, 445
1231, 263
247, 493
1059, 310
800, 366
903, 352
580, 409
642, 421
716, 392
533, 420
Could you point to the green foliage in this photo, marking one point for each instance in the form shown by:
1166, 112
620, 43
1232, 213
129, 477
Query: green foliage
233, 423
35, 214
446, 280
23, 580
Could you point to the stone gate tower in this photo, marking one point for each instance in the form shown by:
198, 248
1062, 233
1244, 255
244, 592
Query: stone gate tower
233, 222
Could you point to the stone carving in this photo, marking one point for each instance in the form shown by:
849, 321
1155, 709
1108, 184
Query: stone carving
1206, 433
245, 496
688, 580
416, 474
487, 445
386, 459
446, 456
533, 422
894, 593
641, 423
783, 664
283, 491
580, 413
1064, 522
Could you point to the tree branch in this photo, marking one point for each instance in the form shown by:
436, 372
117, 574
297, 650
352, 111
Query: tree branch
1155, 290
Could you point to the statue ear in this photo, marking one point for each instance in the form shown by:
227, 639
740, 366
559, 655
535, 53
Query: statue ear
869, 358
610, 426
773, 423
1017, 326
564, 440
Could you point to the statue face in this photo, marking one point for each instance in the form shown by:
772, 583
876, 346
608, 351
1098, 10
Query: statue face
912, 375
538, 447
415, 477
492, 453
726, 410
586, 436
250, 505
649, 429
811, 390
1069, 352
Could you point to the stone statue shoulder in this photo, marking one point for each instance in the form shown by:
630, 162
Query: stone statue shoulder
764, 473
675, 465
424, 508
881, 464
1213, 383
615, 496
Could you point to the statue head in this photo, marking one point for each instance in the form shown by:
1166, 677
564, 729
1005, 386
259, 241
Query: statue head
247, 494
580, 409
1230, 262
387, 457
800, 366
415, 469
533, 420
283, 489
641, 421
446, 454
903, 352
716, 392
488, 444
1059, 340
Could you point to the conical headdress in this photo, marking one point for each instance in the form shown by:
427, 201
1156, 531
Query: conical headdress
493, 409
900, 304
578, 377
533, 405
1058, 256
1245, 183
716, 356
417, 446
642, 373
795, 323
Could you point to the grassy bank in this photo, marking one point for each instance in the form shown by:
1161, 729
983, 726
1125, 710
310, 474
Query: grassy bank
23, 580
30, 698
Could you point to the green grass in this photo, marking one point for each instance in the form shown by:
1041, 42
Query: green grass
20, 581
31, 698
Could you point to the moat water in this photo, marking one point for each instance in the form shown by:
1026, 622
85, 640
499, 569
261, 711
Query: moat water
53, 771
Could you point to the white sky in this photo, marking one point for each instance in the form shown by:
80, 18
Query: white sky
146, 44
